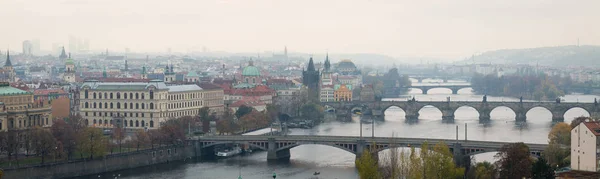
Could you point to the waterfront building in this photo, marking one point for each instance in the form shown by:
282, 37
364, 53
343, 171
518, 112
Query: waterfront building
138, 104
342, 92
213, 97
327, 93
19, 110
585, 147
367, 93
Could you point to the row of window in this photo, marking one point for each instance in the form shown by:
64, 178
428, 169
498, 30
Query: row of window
95, 105
184, 104
107, 114
111, 95
126, 123
197, 95
24, 123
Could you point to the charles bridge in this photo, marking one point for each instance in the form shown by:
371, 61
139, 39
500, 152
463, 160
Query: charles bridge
448, 108
278, 147
454, 87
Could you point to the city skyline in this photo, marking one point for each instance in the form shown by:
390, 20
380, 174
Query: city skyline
395, 28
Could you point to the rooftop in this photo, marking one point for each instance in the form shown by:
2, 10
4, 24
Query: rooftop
184, 88
594, 127
7, 90
130, 86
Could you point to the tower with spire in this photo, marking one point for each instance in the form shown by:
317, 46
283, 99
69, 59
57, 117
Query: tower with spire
104, 74
69, 73
311, 78
63, 55
169, 74
144, 73
326, 79
8, 69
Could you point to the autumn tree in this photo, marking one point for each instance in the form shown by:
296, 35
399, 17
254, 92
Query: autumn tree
141, 138
311, 111
42, 142
559, 142
173, 131
65, 135
243, 110
118, 134
578, 120
205, 118
367, 166
253, 120
272, 112
482, 170
92, 141
514, 161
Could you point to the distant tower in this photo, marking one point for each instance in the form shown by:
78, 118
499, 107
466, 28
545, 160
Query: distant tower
285, 51
63, 55
169, 74
311, 77
69, 73
126, 67
327, 63
9, 68
144, 73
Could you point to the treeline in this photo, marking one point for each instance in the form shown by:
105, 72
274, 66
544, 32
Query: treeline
71, 139
538, 87
391, 84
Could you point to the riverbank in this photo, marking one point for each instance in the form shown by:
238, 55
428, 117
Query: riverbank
109, 163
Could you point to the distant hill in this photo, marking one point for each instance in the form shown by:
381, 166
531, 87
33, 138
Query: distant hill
560, 56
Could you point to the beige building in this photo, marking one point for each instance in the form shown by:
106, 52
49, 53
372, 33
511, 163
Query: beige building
585, 147
18, 109
140, 104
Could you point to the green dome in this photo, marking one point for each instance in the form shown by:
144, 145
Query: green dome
251, 71
69, 62
192, 74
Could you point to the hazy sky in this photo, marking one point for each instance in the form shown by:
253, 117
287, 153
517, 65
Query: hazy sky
441, 28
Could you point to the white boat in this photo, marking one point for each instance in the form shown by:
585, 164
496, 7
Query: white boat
229, 152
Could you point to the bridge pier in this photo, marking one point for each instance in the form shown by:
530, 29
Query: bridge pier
520, 116
458, 155
274, 154
420, 80
558, 116
424, 91
484, 115
455, 91
447, 114
412, 116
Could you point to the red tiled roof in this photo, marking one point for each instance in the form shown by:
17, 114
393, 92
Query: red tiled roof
278, 80
120, 79
209, 86
248, 101
48, 91
594, 127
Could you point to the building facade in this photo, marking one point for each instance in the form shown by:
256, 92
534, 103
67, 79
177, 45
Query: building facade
137, 104
311, 78
585, 147
19, 110
342, 92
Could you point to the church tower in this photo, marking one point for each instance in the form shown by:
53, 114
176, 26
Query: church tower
144, 73
69, 73
311, 77
169, 74
8, 68
63, 55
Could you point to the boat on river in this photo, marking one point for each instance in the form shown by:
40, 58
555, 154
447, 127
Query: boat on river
228, 152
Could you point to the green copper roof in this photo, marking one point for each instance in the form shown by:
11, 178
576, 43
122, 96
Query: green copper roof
11, 91
192, 74
70, 61
251, 71
243, 85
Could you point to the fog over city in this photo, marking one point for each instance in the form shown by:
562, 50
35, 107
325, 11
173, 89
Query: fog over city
444, 29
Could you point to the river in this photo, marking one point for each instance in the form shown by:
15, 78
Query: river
335, 163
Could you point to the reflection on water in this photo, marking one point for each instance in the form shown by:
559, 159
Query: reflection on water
336, 163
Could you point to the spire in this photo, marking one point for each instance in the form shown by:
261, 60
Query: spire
311, 65
167, 69
126, 67
63, 54
172, 69
143, 70
104, 73
7, 63
327, 63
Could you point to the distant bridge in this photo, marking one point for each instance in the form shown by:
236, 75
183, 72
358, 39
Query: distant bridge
278, 147
455, 88
448, 108
445, 78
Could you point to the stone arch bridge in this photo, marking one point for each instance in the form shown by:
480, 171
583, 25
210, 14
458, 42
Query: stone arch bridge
448, 108
278, 147
454, 88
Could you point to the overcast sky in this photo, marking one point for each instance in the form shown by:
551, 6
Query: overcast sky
401, 28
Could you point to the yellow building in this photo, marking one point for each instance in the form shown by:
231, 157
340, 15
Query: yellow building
342, 92
18, 110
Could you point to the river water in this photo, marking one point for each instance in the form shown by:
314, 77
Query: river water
335, 163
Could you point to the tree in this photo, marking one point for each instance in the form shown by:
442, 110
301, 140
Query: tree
243, 110
514, 161
312, 111
367, 166
173, 131
205, 118
578, 120
64, 134
560, 134
141, 138
253, 120
43, 142
484, 170
118, 134
272, 112
541, 170
92, 141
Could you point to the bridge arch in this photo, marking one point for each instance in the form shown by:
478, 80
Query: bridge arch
507, 108
433, 109
575, 111
462, 90
542, 112
465, 110
352, 148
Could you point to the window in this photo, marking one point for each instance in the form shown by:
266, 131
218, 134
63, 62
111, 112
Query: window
151, 123
111, 105
94, 94
124, 95
118, 105
151, 105
143, 95
143, 105
130, 95
142, 123
151, 94
137, 123
125, 123
131, 123
86, 94
125, 104
86, 104
94, 121
118, 95
130, 105
94, 105
137, 96
111, 95
105, 96
100, 105
137, 106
